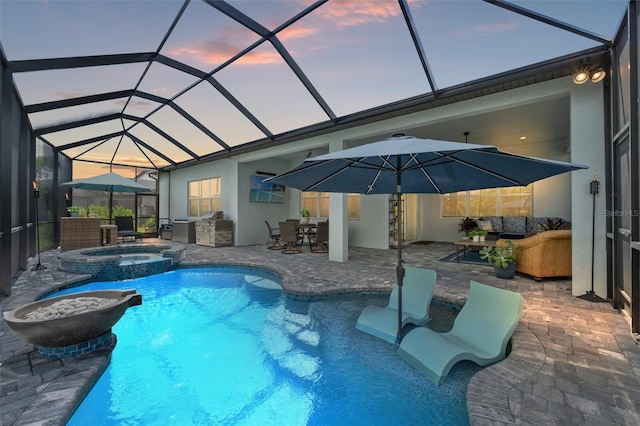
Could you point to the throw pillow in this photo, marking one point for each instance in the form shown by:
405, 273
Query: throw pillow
496, 222
485, 224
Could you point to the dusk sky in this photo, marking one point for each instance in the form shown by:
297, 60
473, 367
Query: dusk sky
358, 54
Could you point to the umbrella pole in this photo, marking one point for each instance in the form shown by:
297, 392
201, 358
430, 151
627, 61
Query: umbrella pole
399, 267
110, 204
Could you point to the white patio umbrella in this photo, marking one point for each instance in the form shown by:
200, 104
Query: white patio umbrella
109, 182
405, 164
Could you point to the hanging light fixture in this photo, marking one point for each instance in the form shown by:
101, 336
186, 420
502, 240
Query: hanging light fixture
597, 75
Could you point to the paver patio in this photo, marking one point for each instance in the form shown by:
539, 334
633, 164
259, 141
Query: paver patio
573, 361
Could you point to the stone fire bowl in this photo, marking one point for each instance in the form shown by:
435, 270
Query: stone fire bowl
72, 329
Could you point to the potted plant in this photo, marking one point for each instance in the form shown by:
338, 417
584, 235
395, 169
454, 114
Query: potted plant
75, 211
467, 224
478, 234
552, 223
503, 259
304, 216
150, 224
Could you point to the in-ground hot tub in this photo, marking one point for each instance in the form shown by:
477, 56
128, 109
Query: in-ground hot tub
73, 324
122, 262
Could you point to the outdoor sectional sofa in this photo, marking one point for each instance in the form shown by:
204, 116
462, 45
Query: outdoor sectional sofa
543, 255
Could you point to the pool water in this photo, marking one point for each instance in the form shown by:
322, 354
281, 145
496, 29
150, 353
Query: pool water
223, 346
136, 258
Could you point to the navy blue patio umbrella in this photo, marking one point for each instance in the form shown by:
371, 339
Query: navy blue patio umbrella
109, 182
405, 164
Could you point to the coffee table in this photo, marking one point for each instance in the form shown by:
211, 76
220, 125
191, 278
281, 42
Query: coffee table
470, 243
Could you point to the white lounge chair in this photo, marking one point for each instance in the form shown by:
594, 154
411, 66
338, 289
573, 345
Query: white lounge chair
417, 292
480, 334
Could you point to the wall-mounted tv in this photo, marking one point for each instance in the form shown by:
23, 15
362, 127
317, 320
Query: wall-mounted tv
265, 192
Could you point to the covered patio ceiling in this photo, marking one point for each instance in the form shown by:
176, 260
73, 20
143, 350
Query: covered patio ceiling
160, 84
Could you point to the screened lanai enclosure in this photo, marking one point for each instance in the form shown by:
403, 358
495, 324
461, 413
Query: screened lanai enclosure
162, 83
145, 88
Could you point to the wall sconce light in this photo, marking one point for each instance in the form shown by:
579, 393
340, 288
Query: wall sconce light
597, 75
585, 75
581, 77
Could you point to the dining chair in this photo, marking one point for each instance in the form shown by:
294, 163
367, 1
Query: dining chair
299, 231
289, 236
274, 237
320, 239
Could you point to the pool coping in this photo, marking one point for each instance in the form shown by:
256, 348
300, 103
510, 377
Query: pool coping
109, 262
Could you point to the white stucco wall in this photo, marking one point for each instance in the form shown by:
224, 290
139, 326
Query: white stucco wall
251, 228
224, 169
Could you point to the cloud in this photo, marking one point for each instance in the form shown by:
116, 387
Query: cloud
137, 104
348, 13
487, 29
343, 13
71, 94
296, 32
497, 27
75, 118
256, 57
211, 52
214, 52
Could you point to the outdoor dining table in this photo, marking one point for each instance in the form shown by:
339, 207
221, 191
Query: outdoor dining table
306, 231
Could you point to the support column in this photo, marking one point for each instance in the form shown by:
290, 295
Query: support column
587, 135
338, 219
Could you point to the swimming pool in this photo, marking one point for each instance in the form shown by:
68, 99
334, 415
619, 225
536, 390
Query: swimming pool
222, 345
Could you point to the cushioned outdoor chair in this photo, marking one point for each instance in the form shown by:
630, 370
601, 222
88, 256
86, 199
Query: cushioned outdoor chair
125, 228
480, 334
319, 241
289, 236
274, 237
417, 292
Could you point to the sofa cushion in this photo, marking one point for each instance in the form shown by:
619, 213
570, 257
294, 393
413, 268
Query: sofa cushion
535, 224
515, 224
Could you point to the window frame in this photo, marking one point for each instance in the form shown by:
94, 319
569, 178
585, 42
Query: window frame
317, 198
214, 195
499, 195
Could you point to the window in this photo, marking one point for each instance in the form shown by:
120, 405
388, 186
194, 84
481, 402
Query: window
318, 204
204, 196
511, 201
353, 206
